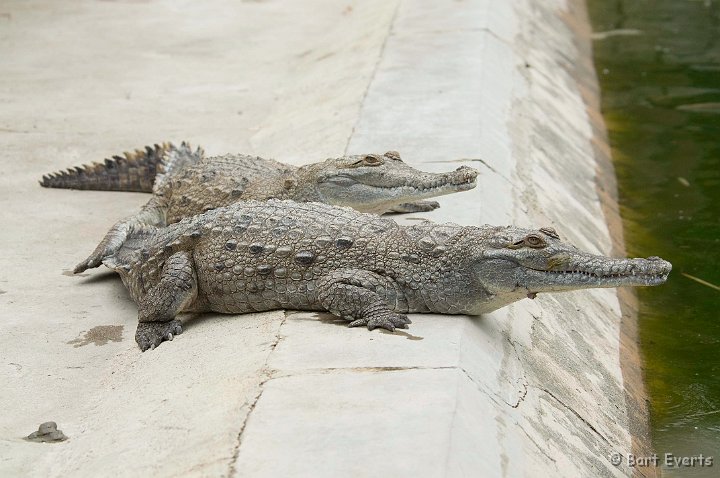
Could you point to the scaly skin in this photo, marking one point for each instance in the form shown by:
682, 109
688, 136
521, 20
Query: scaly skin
376, 183
259, 256
187, 184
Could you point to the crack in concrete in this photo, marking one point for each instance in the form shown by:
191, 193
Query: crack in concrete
238, 442
275, 375
328, 370
483, 390
580, 417
532, 440
261, 386
485, 163
496, 36
452, 425
525, 381
380, 56
522, 397
474, 160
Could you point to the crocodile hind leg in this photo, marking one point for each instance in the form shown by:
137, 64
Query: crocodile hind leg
364, 298
152, 214
157, 309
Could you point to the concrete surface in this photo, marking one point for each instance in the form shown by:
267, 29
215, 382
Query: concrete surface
535, 389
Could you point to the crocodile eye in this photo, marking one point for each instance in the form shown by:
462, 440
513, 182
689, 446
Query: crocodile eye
370, 160
534, 241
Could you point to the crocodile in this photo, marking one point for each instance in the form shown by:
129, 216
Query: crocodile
369, 270
184, 182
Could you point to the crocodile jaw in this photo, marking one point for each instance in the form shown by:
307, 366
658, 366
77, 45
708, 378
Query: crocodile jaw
598, 271
378, 195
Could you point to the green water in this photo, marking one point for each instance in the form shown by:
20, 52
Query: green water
660, 80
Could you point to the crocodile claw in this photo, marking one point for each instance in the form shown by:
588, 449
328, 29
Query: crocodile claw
90, 263
389, 322
151, 334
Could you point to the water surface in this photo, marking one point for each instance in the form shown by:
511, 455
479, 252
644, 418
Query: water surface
659, 68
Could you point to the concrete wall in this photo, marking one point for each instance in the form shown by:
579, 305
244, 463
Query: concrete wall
534, 389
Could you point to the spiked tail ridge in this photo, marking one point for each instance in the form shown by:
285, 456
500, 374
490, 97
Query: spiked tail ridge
173, 161
133, 171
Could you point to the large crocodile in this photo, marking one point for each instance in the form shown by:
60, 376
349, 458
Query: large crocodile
185, 182
259, 256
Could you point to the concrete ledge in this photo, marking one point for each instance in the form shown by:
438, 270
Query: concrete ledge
535, 389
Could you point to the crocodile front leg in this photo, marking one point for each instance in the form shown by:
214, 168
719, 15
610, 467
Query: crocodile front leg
364, 298
157, 310
417, 206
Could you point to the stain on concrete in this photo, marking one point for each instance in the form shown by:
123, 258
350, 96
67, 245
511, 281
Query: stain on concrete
407, 335
47, 433
100, 335
3, 292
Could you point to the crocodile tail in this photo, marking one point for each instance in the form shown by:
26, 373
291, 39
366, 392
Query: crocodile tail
134, 171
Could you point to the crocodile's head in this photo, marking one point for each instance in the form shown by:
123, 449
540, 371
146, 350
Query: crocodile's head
510, 263
377, 182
